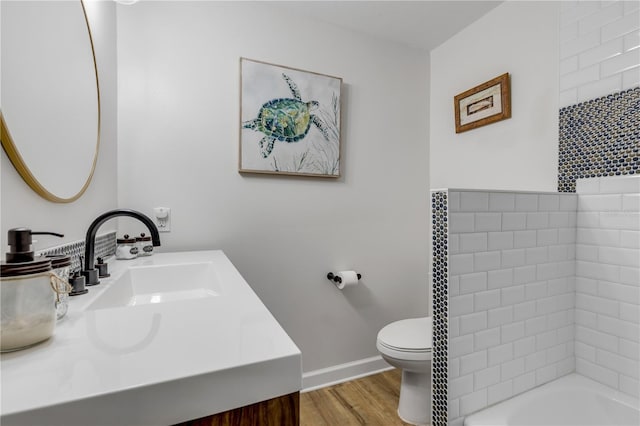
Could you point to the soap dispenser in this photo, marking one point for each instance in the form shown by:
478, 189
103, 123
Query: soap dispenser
27, 294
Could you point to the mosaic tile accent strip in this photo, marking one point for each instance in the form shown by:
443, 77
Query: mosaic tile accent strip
105, 248
440, 300
600, 137
105, 245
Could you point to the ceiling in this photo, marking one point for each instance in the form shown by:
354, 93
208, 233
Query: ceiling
419, 24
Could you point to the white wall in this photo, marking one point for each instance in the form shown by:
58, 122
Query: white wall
178, 80
599, 52
22, 207
520, 153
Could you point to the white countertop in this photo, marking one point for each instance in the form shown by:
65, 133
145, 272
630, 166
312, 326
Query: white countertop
155, 364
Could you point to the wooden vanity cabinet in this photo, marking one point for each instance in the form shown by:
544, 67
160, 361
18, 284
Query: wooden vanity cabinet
280, 411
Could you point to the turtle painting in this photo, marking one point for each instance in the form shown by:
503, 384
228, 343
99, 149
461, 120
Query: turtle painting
285, 119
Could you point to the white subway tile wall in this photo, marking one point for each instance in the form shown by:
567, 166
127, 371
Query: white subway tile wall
607, 311
599, 49
512, 283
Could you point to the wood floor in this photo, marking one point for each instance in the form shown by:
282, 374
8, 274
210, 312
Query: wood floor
371, 401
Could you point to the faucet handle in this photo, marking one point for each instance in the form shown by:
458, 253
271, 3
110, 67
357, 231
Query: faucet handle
77, 282
103, 268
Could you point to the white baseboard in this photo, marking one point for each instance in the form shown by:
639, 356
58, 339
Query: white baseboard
324, 377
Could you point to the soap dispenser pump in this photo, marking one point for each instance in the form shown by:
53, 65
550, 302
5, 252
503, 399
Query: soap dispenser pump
20, 240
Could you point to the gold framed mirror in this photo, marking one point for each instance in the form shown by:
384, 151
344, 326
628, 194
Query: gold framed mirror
50, 99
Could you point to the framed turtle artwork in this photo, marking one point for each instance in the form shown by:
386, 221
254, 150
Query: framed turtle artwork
289, 121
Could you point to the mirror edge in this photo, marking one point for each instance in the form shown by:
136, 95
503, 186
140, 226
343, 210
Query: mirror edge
18, 162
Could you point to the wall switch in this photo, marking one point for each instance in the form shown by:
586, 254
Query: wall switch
162, 218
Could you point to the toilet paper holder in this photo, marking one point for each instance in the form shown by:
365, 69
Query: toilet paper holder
336, 279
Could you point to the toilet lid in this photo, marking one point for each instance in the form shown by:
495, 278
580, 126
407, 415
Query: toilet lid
412, 334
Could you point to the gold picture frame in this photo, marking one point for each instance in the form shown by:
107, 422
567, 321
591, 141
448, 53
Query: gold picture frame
484, 104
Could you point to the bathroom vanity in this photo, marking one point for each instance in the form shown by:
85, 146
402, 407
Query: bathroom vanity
167, 339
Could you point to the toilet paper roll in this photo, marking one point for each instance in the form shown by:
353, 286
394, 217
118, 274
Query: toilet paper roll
349, 279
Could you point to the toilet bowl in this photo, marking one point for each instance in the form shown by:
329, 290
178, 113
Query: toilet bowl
406, 344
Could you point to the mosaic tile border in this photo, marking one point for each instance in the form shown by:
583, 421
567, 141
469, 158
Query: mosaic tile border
440, 300
105, 248
599, 137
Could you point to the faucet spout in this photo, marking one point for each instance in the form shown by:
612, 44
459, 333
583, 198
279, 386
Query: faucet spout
89, 244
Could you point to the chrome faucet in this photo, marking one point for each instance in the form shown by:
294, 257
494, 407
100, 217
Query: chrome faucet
89, 271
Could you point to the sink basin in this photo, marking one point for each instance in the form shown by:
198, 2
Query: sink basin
144, 285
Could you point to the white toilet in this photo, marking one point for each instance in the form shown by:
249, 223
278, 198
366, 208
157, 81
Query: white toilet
406, 344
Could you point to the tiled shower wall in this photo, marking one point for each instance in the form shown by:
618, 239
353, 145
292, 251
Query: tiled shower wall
607, 314
533, 286
510, 294
599, 90
599, 43
600, 137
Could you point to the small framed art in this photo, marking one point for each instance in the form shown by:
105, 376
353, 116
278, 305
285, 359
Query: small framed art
484, 104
